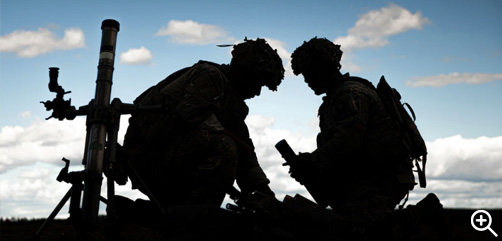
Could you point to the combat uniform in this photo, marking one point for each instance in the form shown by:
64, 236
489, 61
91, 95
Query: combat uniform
200, 145
359, 153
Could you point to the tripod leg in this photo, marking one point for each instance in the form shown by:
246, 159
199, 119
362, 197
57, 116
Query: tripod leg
53, 214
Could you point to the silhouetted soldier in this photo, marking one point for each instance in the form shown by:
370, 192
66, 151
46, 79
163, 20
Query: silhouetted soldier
360, 159
201, 145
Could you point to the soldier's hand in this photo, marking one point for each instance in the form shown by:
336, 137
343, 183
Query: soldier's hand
265, 189
301, 168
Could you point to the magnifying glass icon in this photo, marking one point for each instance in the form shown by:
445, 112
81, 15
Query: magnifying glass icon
479, 219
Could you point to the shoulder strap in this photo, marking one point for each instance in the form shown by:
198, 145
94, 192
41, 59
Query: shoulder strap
162, 83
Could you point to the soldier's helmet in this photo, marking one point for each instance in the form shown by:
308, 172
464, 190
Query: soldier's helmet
317, 53
257, 59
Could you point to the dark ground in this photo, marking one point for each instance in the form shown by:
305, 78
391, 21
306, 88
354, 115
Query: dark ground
61, 229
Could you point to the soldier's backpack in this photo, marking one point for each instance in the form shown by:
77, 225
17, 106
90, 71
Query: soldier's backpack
412, 140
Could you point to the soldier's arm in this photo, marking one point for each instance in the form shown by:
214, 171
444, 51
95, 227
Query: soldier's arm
348, 126
250, 176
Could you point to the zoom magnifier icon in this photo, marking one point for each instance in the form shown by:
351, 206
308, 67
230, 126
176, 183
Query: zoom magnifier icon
481, 220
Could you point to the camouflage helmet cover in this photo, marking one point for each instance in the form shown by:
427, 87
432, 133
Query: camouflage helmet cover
258, 59
317, 52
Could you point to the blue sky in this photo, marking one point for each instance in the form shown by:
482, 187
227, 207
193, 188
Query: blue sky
444, 57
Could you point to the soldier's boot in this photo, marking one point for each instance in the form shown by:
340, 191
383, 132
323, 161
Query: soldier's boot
123, 205
141, 212
428, 213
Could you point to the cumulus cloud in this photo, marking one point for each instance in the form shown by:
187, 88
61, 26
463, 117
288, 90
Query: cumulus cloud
285, 55
461, 193
28, 44
476, 159
30, 160
45, 142
348, 64
375, 27
26, 114
265, 136
191, 32
453, 78
137, 56
464, 172
35, 173
32, 191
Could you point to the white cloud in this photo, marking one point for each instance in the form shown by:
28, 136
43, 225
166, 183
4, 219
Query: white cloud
461, 193
26, 114
27, 44
265, 137
280, 47
466, 159
30, 160
285, 55
453, 78
32, 191
45, 142
375, 27
259, 123
348, 64
35, 173
191, 32
136, 56
463, 172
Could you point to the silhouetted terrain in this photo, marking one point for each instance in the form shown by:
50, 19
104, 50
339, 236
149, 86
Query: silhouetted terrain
62, 230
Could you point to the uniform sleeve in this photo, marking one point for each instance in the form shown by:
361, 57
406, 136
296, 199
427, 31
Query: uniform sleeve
345, 124
249, 174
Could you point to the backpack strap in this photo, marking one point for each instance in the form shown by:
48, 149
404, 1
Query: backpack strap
406, 124
411, 110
